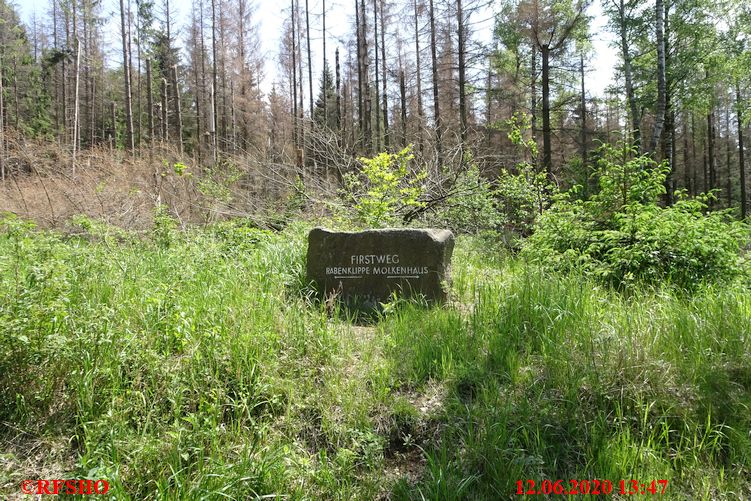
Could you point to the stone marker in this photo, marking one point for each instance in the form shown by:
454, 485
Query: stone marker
367, 266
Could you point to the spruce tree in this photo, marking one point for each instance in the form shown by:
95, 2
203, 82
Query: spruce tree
324, 113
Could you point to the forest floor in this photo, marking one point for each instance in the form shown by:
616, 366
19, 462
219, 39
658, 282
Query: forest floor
196, 365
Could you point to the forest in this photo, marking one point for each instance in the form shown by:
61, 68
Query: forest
162, 165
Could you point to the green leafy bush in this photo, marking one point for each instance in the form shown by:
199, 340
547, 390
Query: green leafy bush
511, 202
472, 208
384, 189
523, 196
524, 193
621, 234
216, 184
238, 236
164, 231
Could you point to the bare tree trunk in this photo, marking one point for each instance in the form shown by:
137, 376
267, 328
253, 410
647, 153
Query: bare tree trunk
533, 91
585, 161
103, 104
301, 107
366, 76
348, 113
87, 127
246, 77
694, 157
384, 94
488, 101
325, 103
139, 93
667, 139
419, 80
547, 152
16, 95
705, 163
212, 122
55, 45
223, 71
436, 105
295, 141
360, 120
661, 85
178, 111
150, 101
233, 115
338, 94
711, 161
2, 124
462, 71
64, 75
672, 154
165, 112
129, 144
215, 82
113, 116
310, 60
728, 132
92, 111
75, 104
627, 73
686, 169
741, 154
403, 96
375, 70
203, 85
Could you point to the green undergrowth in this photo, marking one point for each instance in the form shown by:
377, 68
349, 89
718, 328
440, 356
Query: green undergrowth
195, 365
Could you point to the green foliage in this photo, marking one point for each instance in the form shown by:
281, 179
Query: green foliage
473, 206
216, 184
180, 168
523, 196
238, 236
164, 231
384, 189
512, 201
324, 113
190, 371
32, 109
518, 126
621, 235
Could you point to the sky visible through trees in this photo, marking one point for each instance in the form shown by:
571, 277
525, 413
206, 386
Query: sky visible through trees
269, 16
454, 78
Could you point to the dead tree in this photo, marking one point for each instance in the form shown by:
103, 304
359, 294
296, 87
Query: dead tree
150, 101
178, 111
2, 124
384, 82
165, 114
126, 70
436, 105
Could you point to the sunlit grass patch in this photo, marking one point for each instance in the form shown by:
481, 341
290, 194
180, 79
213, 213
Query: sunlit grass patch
197, 365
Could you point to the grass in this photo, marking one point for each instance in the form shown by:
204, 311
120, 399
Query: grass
192, 365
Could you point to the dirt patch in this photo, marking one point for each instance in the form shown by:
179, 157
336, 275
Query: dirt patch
23, 458
413, 425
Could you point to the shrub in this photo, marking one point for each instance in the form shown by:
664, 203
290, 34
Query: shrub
523, 197
512, 201
473, 207
621, 235
384, 189
165, 226
525, 194
237, 236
